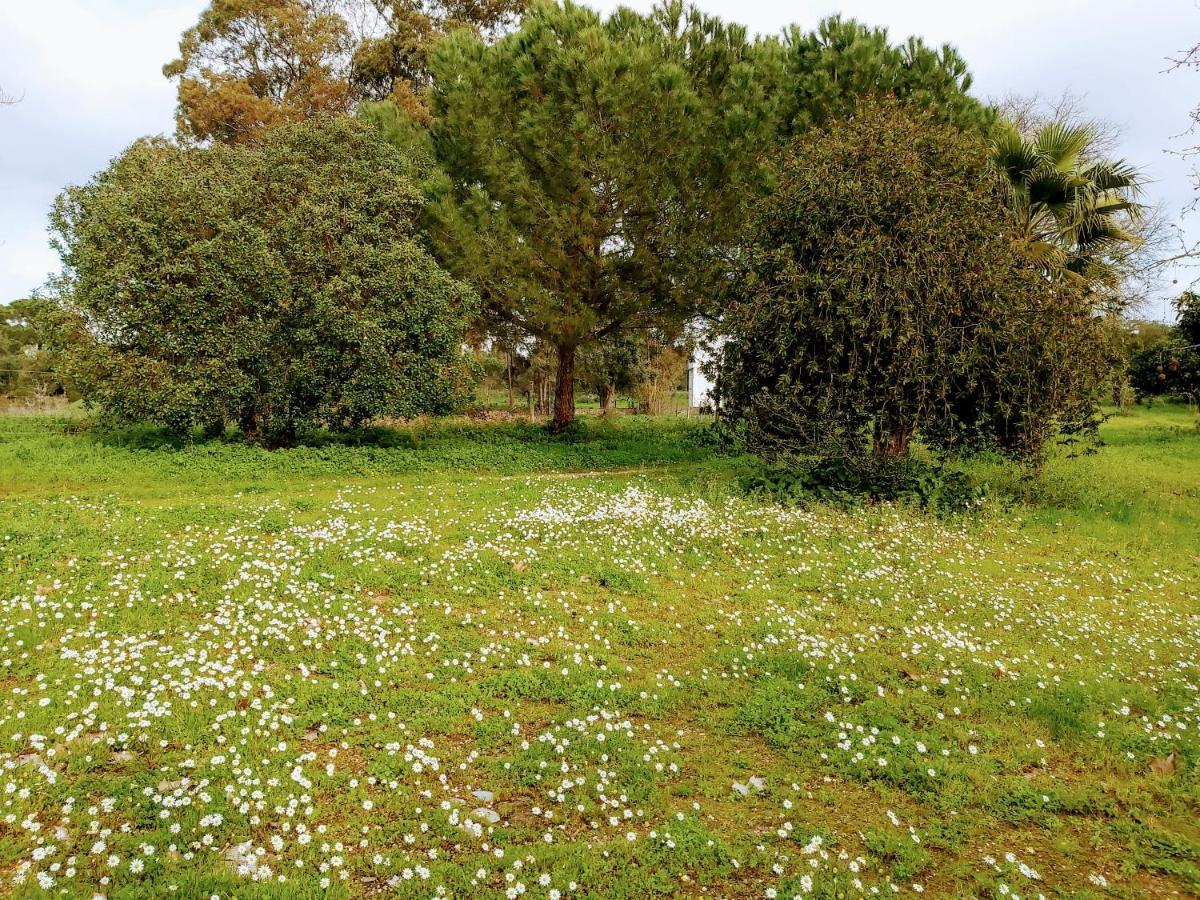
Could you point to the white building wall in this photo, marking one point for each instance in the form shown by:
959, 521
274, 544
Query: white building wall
700, 386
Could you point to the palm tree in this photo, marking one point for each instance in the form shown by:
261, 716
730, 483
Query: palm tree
1076, 215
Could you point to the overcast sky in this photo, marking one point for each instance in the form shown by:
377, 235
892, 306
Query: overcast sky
89, 75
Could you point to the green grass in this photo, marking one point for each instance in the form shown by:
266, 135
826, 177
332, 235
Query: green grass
227, 671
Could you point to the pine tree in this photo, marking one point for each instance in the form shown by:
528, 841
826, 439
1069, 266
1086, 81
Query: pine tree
593, 169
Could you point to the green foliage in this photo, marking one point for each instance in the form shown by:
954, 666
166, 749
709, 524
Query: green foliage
1165, 371
28, 361
593, 169
281, 288
1042, 360
771, 710
905, 858
883, 287
614, 364
849, 480
1167, 363
829, 69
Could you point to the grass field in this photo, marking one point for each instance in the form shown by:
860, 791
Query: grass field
478, 661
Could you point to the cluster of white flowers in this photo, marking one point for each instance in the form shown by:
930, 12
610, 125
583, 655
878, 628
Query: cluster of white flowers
383, 689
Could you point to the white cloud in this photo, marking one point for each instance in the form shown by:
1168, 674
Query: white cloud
89, 75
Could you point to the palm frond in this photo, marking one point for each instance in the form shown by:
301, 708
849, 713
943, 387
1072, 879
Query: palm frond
1013, 157
1061, 145
1076, 215
1113, 175
1043, 254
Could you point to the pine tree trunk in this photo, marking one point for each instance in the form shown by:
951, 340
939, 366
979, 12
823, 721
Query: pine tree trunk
564, 389
510, 384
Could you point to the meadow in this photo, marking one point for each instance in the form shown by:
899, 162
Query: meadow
477, 660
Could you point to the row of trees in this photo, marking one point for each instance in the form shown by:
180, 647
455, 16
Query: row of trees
870, 236
594, 175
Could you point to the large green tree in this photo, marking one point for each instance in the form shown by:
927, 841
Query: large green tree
881, 282
278, 287
593, 169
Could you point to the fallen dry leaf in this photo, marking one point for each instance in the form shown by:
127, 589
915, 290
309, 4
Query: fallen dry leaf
1165, 765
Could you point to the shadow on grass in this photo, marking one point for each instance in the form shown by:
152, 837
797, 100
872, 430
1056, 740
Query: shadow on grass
444, 444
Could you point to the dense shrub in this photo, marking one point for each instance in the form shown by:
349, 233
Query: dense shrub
278, 288
884, 295
1039, 370
849, 480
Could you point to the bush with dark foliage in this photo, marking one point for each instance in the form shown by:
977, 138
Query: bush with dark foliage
884, 296
280, 287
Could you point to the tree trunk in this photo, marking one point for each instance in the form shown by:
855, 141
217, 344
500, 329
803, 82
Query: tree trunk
608, 398
891, 440
248, 423
510, 384
564, 389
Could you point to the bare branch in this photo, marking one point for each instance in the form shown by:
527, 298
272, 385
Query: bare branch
1029, 112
